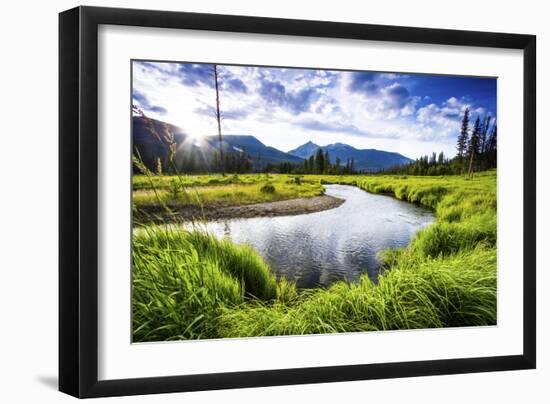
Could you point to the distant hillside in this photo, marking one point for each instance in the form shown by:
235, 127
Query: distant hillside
364, 159
259, 153
151, 138
305, 150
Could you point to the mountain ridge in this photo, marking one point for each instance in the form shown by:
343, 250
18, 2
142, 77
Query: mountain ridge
152, 138
364, 159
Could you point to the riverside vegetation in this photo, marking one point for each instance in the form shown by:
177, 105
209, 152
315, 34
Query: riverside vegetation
156, 191
191, 285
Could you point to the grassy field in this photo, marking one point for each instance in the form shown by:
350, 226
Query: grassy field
188, 285
217, 191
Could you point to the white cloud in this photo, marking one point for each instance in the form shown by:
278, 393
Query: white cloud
287, 107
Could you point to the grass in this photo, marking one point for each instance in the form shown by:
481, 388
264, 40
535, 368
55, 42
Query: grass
189, 285
440, 292
465, 208
181, 279
164, 181
217, 191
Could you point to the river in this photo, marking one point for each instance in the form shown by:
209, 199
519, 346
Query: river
319, 248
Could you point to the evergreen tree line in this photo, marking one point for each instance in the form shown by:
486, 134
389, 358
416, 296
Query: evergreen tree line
188, 163
317, 163
233, 162
476, 151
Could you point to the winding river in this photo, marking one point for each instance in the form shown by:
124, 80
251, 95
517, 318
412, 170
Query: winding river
342, 243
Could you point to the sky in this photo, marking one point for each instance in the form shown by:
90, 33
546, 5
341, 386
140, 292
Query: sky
412, 114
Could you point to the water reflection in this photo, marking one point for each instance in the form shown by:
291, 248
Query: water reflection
342, 243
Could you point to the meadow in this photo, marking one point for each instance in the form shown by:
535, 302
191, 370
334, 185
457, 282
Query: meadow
191, 285
154, 192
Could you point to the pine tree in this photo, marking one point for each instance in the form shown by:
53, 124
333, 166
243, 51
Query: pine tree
441, 158
320, 161
462, 141
492, 147
473, 145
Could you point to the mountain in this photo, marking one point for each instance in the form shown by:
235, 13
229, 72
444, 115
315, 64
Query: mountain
305, 150
152, 139
259, 153
364, 159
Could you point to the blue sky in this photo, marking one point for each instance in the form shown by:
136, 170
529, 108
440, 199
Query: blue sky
412, 114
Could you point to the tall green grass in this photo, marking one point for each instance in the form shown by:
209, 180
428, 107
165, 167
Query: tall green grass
441, 292
188, 285
465, 208
181, 279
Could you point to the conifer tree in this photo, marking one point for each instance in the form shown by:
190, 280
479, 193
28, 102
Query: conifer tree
473, 145
462, 142
492, 147
311, 164
319, 161
441, 158
337, 165
433, 159
326, 167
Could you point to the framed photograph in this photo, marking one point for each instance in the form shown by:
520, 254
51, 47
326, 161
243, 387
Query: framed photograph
251, 201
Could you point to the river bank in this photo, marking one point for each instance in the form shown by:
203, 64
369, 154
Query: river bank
290, 207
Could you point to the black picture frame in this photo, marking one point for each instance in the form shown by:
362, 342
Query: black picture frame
78, 201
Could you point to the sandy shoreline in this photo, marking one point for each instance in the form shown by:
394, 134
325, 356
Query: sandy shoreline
269, 209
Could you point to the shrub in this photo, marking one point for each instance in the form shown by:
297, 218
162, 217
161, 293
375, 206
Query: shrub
268, 189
